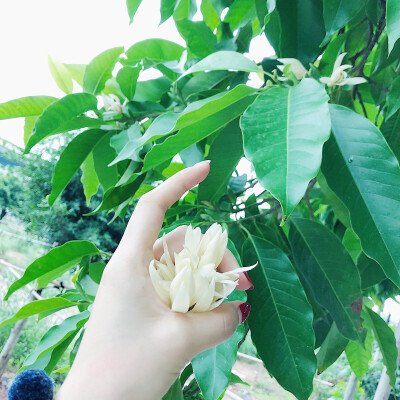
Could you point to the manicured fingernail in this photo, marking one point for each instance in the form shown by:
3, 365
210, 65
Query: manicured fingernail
251, 283
244, 310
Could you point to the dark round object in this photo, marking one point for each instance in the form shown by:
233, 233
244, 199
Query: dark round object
32, 384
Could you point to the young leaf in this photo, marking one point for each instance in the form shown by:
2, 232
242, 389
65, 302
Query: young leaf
359, 356
71, 159
283, 131
127, 79
281, 317
319, 254
167, 9
99, 70
89, 178
212, 368
61, 112
132, 6
363, 172
61, 75
59, 259
25, 106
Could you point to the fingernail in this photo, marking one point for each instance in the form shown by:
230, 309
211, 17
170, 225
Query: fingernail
251, 283
244, 310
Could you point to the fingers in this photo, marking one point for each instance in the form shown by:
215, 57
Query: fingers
208, 329
229, 263
175, 240
146, 221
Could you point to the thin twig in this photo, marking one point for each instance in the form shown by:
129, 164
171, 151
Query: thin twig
310, 209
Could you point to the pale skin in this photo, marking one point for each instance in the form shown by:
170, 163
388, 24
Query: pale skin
134, 346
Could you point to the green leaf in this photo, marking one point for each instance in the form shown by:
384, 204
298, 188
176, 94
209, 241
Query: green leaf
370, 271
337, 13
198, 124
103, 154
224, 60
281, 318
77, 72
71, 159
359, 356
390, 129
174, 392
302, 29
99, 70
59, 113
61, 75
210, 15
167, 9
331, 349
230, 143
363, 172
89, 178
127, 79
159, 50
319, 254
25, 106
56, 336
58, 260
37, 307
212, 368
283, 131
132, 6
186, 9
352, 244
199, 37
393, 98
152, 90
392, 22
28, 127
239, 11
386, 341
130, 139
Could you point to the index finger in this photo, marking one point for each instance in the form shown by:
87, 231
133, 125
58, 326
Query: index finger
146, 221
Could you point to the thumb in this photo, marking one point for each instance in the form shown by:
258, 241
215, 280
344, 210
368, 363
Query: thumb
208, 329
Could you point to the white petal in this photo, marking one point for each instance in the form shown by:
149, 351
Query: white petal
181, 300
204, 301
157, 284
339, 60
325, 80
353, 81
296, 66
166, 254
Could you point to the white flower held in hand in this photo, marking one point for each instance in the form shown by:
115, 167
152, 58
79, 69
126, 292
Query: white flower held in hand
193, 283
339, 76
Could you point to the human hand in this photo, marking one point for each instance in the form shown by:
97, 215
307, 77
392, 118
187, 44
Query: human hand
134, 346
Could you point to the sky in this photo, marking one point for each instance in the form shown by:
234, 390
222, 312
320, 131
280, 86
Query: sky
71, 32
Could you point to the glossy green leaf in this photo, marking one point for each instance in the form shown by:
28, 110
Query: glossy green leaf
38, 306
361, 169
71, 159
99, 70
132, 6
393, 98
55, 336
319, 254
392, 22
302, 29
89, 178
230, 143
61, 75
153, 49
25, 106
195, 126
352, 244
337, 13
390, 129
331, 349
28, 127
224, 60
212, 368
59, 260
359, 356
186, 9
239, 11
199, 38
127, 79
174, 392
103, 154
130, 139
59, 113
283, 131
281, 318
210, 14
386, 341
167, 9
370, 271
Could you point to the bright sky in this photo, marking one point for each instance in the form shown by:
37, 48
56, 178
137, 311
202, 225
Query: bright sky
72, 32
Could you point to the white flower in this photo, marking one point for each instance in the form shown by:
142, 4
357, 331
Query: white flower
112, 103
339, 76
193, 283
295, 66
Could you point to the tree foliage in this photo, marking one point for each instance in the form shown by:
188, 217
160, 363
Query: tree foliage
321, 129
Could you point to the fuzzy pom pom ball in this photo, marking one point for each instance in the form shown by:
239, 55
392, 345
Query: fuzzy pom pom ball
32, 384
